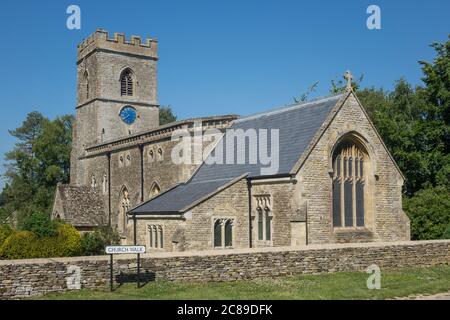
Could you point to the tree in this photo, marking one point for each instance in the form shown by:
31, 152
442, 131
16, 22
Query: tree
429, 211
38, 161
166, 115
305, 95
340, 86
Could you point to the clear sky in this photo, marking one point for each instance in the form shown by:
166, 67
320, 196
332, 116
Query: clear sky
216, 56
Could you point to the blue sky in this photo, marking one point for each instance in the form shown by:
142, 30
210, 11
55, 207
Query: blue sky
216, 57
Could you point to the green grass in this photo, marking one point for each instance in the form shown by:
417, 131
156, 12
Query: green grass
325, 286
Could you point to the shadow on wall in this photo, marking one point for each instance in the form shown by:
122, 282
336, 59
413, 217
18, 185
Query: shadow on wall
144, 278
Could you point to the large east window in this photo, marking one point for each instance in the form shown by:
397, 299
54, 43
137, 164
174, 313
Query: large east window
349, 185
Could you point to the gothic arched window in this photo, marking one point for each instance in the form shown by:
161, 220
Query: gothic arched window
155, 190
124, 207
86, 81
349, 181
105, 183
126, 83
218, 233
223, 233
264, 216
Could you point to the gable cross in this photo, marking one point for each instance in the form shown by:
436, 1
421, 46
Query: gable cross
349, 77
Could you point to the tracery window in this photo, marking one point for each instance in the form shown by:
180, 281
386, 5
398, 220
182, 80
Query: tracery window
349, 184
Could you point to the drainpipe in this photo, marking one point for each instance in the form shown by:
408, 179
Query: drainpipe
134, 229
249, 188
109, 189
141, 149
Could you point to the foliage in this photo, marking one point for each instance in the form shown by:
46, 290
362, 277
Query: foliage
38, 161
27, 245
94, 243
341, 85
446, 234
5, 232
429, 211
305, 95
166, 115
40, 224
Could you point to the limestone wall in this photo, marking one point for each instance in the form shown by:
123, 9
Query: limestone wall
39, 276
385, 218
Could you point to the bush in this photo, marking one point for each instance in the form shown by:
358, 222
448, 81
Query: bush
429, 211
40, 224
446, 234
5, 232
68, 241
94, 243
27, 245
19, 245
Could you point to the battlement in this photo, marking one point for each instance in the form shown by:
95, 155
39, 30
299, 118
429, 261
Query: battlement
100, 39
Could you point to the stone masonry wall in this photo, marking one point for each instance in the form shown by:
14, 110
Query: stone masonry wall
40, 276
385, 218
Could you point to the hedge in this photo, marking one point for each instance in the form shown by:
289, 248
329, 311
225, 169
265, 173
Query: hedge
26, 245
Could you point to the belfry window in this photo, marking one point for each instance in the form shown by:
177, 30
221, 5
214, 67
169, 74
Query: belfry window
348, 185
126, 83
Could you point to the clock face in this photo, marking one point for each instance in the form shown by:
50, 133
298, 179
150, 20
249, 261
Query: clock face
128, 115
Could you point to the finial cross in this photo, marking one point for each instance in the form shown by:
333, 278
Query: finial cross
349, 77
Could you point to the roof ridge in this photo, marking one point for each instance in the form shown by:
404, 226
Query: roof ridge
287, 108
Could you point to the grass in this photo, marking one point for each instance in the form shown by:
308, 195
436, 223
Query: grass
325, 286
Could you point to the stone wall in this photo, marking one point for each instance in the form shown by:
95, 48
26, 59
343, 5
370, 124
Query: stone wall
39, 276
385, 219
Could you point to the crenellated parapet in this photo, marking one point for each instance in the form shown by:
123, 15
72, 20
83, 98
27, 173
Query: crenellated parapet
101, 40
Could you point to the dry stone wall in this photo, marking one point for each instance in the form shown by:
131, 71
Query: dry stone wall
40, 276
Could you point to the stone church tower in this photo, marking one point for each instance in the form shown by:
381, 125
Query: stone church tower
116, 93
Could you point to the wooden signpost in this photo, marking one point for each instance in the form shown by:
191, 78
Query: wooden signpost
112, 250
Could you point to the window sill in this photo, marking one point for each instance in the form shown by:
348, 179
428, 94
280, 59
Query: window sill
351, 229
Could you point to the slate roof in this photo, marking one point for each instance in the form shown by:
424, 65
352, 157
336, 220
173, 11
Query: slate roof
81, 206
297, 125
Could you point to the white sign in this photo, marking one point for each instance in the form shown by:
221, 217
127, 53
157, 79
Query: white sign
124, 249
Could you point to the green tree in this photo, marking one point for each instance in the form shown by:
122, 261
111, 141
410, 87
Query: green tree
40, 224
166, 115
429, 211
39, 160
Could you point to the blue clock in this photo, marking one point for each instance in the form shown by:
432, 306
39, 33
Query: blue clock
128, 115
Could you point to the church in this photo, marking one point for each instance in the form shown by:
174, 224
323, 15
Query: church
330, 178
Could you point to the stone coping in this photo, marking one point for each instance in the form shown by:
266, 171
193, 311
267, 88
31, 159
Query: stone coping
222, 252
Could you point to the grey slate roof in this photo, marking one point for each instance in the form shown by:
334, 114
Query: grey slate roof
297, 125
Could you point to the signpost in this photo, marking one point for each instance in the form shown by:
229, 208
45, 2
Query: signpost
112, 250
